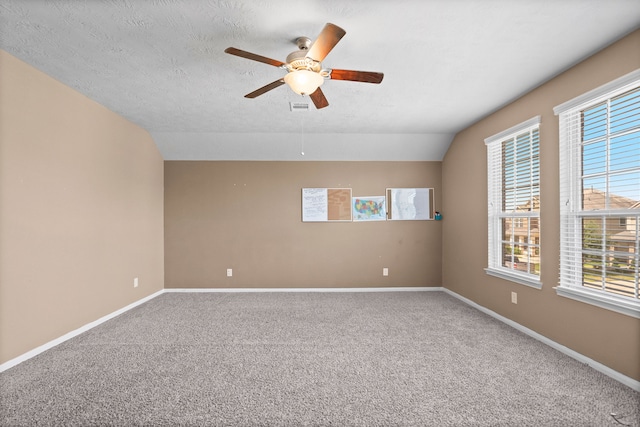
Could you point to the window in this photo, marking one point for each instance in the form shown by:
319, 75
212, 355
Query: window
513, 160
600, 196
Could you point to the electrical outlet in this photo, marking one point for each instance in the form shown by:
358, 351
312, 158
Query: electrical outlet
514, 297
385, 271
135, 282
229, 272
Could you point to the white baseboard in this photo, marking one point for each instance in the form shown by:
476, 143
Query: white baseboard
628, 381
28, 355
258, 290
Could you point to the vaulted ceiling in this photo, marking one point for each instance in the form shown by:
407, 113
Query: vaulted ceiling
446, 64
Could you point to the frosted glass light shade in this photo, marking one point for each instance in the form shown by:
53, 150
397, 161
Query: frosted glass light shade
303, 82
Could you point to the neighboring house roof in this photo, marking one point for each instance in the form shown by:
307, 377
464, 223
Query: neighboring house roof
627, 235
526, 207
594, 199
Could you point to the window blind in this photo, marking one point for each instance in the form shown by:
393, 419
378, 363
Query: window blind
513, 158
600, 192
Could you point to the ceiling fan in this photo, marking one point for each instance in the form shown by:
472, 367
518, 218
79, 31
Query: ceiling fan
305, 74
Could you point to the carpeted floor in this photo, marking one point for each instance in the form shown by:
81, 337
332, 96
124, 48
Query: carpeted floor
294, 359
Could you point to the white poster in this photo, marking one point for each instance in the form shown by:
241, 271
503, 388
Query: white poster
410, 203
314, 204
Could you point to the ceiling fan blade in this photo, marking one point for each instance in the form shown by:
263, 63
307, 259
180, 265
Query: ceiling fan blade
328, 38
357, 76
265, 89
319, 99
254, 57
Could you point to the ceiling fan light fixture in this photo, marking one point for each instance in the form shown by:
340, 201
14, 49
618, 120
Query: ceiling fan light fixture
303, 82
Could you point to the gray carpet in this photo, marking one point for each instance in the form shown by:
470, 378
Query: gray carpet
293, 359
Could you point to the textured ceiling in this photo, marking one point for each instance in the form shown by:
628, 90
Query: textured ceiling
447, 63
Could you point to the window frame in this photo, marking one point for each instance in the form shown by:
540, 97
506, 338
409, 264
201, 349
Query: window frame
571, 283
495, 206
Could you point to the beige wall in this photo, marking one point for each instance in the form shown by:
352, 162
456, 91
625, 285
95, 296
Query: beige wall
81, 192
247, 216
605, 336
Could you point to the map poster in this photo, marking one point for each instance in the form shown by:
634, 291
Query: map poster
369, 208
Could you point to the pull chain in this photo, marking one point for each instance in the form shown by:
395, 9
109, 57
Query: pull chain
302, 139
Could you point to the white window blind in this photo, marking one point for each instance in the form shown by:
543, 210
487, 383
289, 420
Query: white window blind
513, 163
600, 196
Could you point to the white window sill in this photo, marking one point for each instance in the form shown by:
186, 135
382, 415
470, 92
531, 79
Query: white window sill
615, 303
520, 278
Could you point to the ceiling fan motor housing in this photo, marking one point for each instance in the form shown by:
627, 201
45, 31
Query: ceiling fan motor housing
299, 61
